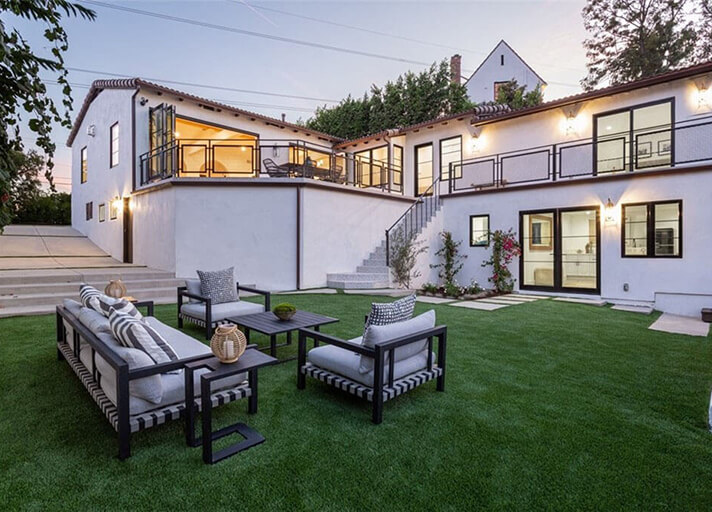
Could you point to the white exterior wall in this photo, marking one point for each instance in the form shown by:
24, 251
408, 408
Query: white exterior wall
154, 229
340, 229
103, 183
480, 86
688, 278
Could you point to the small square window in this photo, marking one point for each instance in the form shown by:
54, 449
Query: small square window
102, 212
113, 209
89, 209
479, 230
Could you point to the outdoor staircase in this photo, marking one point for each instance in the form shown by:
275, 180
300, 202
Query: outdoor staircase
38, 292
374, 272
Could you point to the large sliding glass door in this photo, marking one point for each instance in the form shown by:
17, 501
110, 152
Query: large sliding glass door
560, 249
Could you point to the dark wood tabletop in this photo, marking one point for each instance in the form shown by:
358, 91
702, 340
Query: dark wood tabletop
251, 359
267, 323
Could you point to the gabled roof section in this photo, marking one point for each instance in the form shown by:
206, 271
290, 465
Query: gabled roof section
137, 83
669, 76
503, 42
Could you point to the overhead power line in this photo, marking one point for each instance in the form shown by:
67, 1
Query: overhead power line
251, 33
206, 86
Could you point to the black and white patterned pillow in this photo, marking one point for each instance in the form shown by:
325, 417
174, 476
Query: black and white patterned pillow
106, 304
134, 333
218, 285
89, 297
391, 312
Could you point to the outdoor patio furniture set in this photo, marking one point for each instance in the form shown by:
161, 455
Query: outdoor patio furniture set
334, 173
142, 372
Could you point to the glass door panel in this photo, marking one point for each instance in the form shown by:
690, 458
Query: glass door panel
538, 249
653, 135
579, 249
612, 142
423, 168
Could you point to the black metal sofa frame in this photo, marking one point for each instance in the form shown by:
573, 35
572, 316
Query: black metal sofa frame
119, 414
209, 324
382, 390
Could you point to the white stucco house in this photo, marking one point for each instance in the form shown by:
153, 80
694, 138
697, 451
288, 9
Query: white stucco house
608, 191
500, 66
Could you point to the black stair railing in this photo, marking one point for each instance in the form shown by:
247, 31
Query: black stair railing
415, 217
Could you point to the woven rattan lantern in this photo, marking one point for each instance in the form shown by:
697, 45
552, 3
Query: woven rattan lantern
228, 343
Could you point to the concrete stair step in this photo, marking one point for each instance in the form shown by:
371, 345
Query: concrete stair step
12, 277
53, 299
357, 276
71, 288
50, 308
357, 285
366, 269
374, 262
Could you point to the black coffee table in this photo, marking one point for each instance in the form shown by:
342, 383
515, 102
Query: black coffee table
267, 323
249, 362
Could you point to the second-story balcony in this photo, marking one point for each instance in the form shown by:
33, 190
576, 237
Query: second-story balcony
681, 144
219, 158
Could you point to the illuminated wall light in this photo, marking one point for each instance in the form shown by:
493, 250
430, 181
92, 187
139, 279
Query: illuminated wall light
477, 141
118, 204
610, 212
703, 92
572, 123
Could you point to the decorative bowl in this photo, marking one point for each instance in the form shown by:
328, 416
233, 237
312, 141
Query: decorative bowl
284, 311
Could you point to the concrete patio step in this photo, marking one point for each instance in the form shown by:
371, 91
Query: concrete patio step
44, 309
357, 285
54, 276
373, 269
358, 276
7, 291
53, 299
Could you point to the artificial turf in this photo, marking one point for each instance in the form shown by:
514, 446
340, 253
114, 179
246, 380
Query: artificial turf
548, 405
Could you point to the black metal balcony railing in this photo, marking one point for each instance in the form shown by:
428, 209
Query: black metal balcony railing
204, 158
685, 143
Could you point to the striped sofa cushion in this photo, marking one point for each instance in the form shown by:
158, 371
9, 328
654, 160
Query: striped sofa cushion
134, 333
106, 304
89, 297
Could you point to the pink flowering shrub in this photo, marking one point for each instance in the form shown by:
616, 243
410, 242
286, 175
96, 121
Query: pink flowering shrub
505, 248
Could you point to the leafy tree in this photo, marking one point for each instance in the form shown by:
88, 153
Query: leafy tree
25, 185
514, 96
704, 32
632, 39
23, 95
411, 98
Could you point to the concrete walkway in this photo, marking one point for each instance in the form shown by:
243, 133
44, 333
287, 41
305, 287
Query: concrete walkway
50, 247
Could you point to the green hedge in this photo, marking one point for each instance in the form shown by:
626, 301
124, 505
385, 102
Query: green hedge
46, 209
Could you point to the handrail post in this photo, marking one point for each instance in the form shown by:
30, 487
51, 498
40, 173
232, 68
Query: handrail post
388, 252
553, 163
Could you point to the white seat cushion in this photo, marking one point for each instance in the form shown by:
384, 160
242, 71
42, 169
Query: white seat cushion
173, 384
346, 363
222, 311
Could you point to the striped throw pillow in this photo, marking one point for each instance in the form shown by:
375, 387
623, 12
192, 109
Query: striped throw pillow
134, 333
106, 303
89, 297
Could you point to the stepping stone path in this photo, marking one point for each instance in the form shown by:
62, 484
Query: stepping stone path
433, 300
498, 302
680, 325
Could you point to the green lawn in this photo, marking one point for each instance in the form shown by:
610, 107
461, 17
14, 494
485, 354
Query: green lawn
548, 405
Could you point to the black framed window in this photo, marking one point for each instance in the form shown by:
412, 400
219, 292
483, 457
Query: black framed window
102, 212
652, 230
479, 230
398, 167
114, 209
423, 168
450, 152
114, 145
89, 210
636, 137
84, 164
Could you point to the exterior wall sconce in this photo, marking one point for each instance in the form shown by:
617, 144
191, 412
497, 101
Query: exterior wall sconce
704, 92
571, 123
143, 101
117, 204
476, 141
610, 212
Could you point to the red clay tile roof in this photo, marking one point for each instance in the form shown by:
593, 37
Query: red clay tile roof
136, 83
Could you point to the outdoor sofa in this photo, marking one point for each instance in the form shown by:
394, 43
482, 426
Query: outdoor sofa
121, 389
388, 361
201, 311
